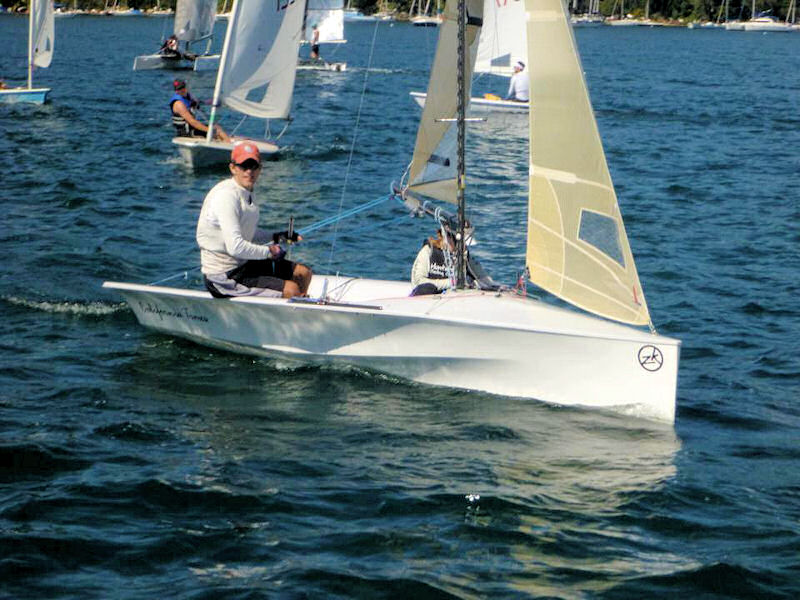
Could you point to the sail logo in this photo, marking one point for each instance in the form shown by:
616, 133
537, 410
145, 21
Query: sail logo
284, 4
650, 358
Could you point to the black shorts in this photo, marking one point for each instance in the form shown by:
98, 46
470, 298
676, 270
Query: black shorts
268, 274
315, 48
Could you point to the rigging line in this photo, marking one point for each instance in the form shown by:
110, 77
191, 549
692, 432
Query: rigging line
340, 216
355, 135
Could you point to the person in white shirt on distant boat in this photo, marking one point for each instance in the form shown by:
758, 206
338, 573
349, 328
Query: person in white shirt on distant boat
237, 258
519, 86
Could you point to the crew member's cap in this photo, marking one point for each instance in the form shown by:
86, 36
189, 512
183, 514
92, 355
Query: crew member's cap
244, 150
520, 64
179, 84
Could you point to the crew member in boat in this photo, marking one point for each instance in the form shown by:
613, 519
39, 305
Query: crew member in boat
237, 258
170, 47
314, 43
182, 106
433, 271
433, 267
519, 86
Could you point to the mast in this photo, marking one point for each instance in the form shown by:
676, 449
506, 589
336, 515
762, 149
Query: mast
461, 264
31, 10
221, 70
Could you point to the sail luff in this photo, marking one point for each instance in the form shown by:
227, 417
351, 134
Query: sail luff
577, 246
215, 102
433, 166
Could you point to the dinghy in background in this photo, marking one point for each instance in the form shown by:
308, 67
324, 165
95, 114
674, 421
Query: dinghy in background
260, 52
41, 42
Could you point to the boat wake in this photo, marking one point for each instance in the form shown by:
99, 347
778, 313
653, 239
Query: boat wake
93, 309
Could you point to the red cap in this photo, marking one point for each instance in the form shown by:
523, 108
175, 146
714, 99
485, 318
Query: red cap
179, 84
244, 150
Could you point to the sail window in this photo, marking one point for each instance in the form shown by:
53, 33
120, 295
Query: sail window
601, 232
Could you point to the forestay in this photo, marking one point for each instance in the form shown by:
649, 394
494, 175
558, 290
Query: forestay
577, 246
328, 16
433, 166
502, 40
42, 33
259, 60
194, 19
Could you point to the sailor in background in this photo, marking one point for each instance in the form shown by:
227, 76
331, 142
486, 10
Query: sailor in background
315, 43
182, 106
519, 86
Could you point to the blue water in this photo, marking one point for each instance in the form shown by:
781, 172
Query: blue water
134, 465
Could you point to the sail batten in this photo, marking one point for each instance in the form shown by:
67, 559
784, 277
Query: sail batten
433, 166
577, 246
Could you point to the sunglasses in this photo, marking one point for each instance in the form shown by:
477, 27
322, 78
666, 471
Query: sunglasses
248, 165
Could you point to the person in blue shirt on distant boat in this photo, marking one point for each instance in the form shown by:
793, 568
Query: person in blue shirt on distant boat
237, 257
182, 106
519, 86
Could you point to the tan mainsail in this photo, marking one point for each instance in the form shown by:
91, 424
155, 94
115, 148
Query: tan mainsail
433, 167
577, 246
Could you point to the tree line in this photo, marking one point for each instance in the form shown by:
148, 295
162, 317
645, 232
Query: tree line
669, 10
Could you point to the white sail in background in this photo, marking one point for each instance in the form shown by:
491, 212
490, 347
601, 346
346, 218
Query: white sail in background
328, 16
42, 32
257, 70
503, 40
577, 246
194, 19
433, 167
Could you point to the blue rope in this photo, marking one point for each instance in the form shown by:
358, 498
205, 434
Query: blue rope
340, 216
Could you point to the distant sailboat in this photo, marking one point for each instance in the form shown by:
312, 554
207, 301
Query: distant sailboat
765, 22
424, 18
256, 74
41, 40
194, 24
328, 17
474, 337
502, 43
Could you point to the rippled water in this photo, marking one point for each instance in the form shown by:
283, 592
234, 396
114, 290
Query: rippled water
132, 464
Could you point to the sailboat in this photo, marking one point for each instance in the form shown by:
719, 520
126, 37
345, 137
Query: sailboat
328, 16
591, 18
41, 39
765, 22
502, 43
500, 341
255, 77
623, 20
194, 23
423, 17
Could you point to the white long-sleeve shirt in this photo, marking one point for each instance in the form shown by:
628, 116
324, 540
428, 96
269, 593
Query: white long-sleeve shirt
227, 230
519, 87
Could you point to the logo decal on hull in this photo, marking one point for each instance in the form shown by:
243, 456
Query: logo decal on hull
650, 358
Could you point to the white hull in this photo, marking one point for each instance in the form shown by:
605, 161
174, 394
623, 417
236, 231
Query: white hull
198, 153
499, 343
767, 25
151, 62
320, 65
207, 63
482, 105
